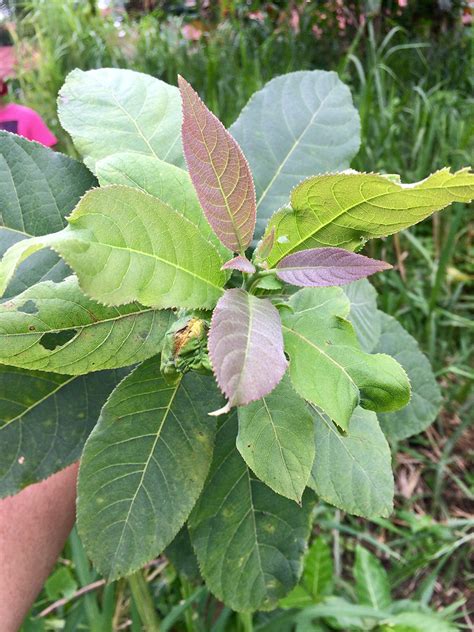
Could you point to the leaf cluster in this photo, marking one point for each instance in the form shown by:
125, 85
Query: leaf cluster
159, 298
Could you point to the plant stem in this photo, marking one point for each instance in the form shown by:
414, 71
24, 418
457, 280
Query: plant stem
246, 621
144, 602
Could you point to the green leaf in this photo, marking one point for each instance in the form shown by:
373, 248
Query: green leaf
426, 396
165, 181
144, 467
249, 541
318, 569
38, 188
341, 615
299, 598
345, 209
45, 418
299, 124
353, 472
127, 246
60, 584
327, 366
317, 578
276, 440
371, 580
44, 421
110, 110
363, 314
181, 554
54, 327
417, 622
44, 265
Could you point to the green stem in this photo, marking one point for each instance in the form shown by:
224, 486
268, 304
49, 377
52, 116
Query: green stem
246, 621
144, 602
254, 280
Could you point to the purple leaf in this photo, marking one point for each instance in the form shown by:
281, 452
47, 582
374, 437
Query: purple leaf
318, 267
246, 347
239, 263
219, 172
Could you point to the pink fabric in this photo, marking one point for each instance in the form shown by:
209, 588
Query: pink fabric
26, 122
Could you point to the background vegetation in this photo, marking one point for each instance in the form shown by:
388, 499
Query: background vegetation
410, 70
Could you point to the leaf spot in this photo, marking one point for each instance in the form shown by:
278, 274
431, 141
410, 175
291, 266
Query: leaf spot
29, 307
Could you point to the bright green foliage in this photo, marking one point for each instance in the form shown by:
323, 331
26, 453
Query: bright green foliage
344, 210
425, 400
249, 541
363, 314
125, 245
144, 467
371, 581
276, 440
108, 111
54, 327
327, 366
353, 471
44, 421
299, 124
165, 181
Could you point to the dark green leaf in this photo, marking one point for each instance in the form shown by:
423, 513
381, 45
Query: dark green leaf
182, 555
353, 472
249, 541
144, 466
364, 314
426, 397
45, 419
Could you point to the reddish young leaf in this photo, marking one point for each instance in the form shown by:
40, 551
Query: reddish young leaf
246, 347
239, 263
318, 267
219, 172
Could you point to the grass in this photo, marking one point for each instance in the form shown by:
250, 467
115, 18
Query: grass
416, 106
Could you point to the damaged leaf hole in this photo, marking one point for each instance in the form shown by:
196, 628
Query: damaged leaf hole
52, 340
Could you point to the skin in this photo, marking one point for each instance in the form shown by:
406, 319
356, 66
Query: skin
34, 526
